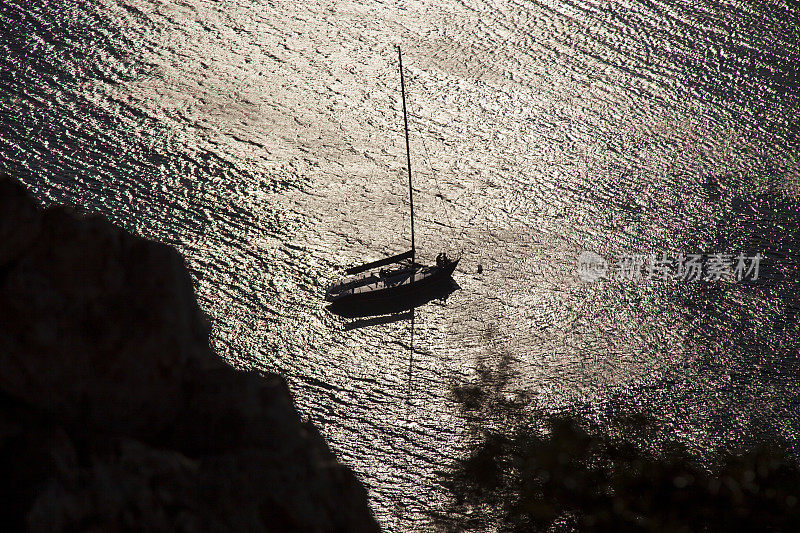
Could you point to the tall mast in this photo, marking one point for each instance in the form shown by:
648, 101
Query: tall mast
408, 156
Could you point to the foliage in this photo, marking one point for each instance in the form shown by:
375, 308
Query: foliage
568, 474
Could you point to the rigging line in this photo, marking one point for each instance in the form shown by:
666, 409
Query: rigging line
438, 188
435, 180
472, 219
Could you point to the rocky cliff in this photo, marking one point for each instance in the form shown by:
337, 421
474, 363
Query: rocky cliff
116, 414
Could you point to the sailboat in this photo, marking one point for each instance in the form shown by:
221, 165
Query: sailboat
405, 278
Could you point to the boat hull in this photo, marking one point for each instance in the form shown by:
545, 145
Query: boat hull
440, 277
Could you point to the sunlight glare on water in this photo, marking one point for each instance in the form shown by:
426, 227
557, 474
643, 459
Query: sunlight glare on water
264, 140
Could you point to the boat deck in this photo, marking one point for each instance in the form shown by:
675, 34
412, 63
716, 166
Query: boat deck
374, 281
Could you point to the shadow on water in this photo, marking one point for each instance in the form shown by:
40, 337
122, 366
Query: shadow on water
529, 471
378, 320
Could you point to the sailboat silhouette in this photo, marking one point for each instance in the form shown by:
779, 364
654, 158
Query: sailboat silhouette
405, 279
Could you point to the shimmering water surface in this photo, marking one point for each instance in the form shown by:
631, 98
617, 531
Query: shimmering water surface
264, 140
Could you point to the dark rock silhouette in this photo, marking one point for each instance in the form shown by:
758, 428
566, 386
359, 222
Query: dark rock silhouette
116, 414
